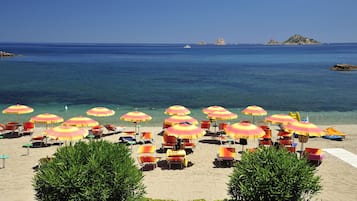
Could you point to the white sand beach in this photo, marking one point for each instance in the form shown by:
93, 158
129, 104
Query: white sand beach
202, 180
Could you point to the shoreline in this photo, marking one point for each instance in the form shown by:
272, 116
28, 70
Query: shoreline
199, 181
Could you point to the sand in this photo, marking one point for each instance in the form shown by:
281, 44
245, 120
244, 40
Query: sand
202, 180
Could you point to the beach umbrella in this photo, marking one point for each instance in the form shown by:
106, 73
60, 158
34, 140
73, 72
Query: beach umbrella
185, 131
176, 119
254, 110
221, 115
100, 112
136, 117
18, 109
177, 110
244, 130
67, 133
213, 108
279, 119
46, 118
304, 130
81, 121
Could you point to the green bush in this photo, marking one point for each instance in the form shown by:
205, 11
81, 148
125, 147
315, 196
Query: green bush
273, 174
98, 170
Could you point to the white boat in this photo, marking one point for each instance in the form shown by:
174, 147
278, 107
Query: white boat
187, 46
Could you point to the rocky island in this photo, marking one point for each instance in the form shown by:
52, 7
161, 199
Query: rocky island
343, 67
295, 40
6, 54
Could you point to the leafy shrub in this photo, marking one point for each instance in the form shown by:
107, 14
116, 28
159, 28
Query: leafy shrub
98, 170
273, 174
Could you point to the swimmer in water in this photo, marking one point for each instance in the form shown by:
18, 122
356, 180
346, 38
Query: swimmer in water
66, 107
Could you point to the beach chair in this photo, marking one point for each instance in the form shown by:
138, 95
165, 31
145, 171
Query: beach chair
267, 131
38, 141
147, 137
97, 131
205, 124
285, 142
168, 142
265, 142
146, 156
226, 155
112, 129
313, 155
177, 157
188, 144
27, 128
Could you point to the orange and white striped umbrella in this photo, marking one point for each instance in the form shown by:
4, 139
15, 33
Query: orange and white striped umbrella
244, 130
176, 119
185, 131
222, 115
213, 108
100, 112
254, 111
66, 133
304, 128
18, 109
135, 117
80, 121
280, 119
46, 118
177, 110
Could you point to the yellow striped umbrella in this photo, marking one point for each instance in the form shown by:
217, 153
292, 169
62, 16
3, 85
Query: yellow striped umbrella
254, 110
46, 118
18, 109
100, 112
136, 117
185, 131
280, 119
66, 133
222, 115
213, 108
177, 110
244, 130
80, 121
176, 119
304, 130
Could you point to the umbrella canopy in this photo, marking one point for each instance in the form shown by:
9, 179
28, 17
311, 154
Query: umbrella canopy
80, 122
177, 110
244, 130
46, 118
254, 111
213, 108
135, 117
185, 131
280, 119
100, 112
304, 128
222, 115
66, 133
18, 109
176, 119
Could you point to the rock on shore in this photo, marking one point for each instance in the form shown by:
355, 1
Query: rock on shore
343, 67
6, 54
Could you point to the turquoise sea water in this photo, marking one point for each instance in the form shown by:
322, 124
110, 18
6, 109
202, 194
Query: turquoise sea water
151, 77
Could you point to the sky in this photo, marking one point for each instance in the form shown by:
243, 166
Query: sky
176, 21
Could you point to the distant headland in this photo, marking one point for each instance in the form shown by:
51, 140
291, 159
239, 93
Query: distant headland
343, 67
295, 40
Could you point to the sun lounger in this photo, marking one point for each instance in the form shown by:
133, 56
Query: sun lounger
227, 155
112, 129
314, 155
146, 137
168, 142
27, 128
146, 156
176, 157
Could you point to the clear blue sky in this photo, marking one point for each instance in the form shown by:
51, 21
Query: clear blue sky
176, 21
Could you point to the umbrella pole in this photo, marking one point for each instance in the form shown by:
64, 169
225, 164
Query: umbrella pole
302, 149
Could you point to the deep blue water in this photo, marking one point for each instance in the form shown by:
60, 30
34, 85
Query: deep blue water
152, 77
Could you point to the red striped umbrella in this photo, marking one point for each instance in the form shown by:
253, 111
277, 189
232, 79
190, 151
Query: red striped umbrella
136, 117
213, 108
46, 118
80, 121
222, 115
18, 109
185, 131
254, 110
176, 119
100, 112
244, 130
280, 119
66, 133
177, 110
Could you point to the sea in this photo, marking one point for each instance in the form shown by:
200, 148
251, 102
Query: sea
51, 77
